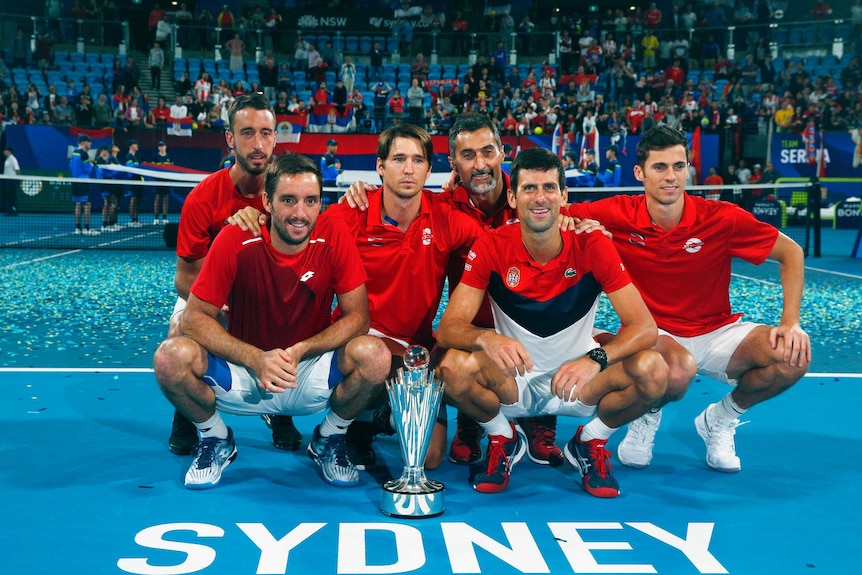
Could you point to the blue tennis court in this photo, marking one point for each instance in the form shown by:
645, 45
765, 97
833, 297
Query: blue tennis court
88, 485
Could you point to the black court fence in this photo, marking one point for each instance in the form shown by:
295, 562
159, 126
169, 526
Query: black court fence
41, 212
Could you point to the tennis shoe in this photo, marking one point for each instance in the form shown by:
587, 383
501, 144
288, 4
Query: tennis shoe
359, 437
184, 435
541, 434
212, 456
635, 450
333, 463
718, 435
503, 454
285, 435
466, 448
593, 462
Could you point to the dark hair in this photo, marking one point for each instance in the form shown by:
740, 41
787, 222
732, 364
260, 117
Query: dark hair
661, 137
290, 165
536, 159
387, 138
257, 101
472, 122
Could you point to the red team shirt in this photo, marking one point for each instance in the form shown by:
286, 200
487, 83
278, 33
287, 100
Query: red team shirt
275, 299
683, 274
550, 309
503, 215
205, 211
403, 304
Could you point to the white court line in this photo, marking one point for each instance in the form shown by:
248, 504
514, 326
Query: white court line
150, 370
25, 262
821, 270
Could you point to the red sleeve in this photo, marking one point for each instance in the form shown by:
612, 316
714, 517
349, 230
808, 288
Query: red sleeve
346, 259
605, 261
480, 262
193, 236
751, 239
215, 281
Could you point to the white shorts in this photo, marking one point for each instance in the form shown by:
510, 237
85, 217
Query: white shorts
238, 391
712, 351
179, 306
535, 398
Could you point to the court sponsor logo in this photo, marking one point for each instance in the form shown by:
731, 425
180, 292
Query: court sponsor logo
366, 548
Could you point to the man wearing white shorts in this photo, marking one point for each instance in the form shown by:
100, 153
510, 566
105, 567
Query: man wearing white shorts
678, 250
541, 358
281, 353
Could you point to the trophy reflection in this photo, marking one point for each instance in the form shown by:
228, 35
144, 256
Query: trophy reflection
415, 396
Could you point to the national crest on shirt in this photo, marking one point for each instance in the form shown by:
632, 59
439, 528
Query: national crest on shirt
513, 277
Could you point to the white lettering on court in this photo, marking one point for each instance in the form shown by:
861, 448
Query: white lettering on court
274, 552
353, 556
522, 553
198, 557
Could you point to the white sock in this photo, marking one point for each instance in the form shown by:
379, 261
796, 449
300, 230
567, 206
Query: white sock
726, 409
334, 425
213, 427
499, 425
596, 429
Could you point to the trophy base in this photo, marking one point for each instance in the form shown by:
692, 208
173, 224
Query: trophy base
425, 500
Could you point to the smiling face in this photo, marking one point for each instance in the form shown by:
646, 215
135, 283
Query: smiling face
294, 207
538, 199
477, 157
663, 175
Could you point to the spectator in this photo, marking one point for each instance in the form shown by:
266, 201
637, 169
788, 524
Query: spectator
102, 112
236, 47
156, 61
131, 74
156, 16
63, 114
161, 113
459, 35
269, 77
376, 63
164, 31
226, 21
419, 68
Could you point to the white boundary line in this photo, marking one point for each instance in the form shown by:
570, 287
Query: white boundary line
25, 262
823, 271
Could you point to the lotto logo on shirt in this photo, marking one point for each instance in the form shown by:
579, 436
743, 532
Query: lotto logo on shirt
426, 237
513, 277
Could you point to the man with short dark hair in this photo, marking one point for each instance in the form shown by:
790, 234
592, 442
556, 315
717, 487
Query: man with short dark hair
330, 165
82, 167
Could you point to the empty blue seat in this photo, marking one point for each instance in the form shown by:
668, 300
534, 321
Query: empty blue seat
351, 43
365, 43
338, 43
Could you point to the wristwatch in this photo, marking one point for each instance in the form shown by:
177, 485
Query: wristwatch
599, 356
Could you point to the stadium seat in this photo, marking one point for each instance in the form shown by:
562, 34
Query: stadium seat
434, 71
365, 43
61, 56
338, 43
351, 43
392, 45
76, 57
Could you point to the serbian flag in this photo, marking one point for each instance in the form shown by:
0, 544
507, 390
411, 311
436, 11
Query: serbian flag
324, 118
590, 141
809, 136
557, 141
821, 157
181, 127
288, 128
99, 137
694, 153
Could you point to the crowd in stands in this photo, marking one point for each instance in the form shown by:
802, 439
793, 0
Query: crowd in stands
621, 71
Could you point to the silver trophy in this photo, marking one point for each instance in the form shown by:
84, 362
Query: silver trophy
414, 395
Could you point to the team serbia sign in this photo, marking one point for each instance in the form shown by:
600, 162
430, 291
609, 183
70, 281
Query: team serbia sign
388, 548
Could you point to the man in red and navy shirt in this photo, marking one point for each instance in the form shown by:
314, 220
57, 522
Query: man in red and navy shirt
280, 354
678, 249
544, 285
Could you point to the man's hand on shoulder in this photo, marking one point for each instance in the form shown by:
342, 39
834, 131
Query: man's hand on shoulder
249, 219
356, 195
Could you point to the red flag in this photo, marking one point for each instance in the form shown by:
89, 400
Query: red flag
694, 153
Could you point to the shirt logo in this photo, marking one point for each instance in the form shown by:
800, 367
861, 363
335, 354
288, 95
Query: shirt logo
693, 245
513, 277
306, 276
471, 255
637, 239
426, 237
570, 273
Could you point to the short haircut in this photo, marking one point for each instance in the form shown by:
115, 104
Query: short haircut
472, 122
540, 159
404, 130
290, 165
658, 138
257, 101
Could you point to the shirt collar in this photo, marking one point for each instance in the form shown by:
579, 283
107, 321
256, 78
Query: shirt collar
643, 220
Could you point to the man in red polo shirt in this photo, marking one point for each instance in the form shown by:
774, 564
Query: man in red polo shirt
251, 136
678, 249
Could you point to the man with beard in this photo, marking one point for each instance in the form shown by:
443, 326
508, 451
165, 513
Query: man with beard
251, 137
280, 354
